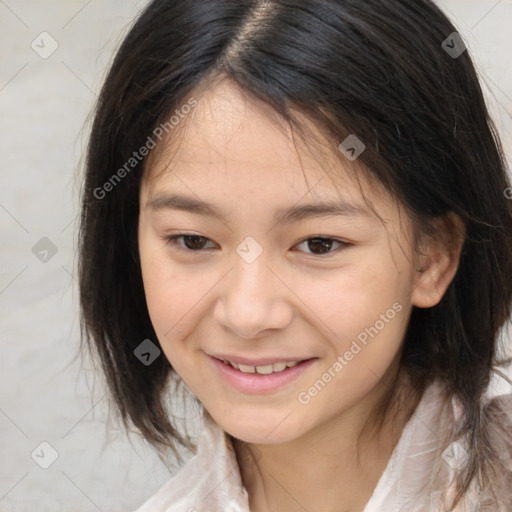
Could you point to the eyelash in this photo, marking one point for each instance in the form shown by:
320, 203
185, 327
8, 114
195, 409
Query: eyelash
172, 241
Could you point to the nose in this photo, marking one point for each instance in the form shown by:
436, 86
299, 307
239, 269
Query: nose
253, 299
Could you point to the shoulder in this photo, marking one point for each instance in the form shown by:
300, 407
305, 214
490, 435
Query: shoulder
488, 447
428, 460
209, 482
493, 486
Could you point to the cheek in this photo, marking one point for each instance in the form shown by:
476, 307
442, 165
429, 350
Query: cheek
364, 317
169, 292
173, 301
170, 309
177, 300
349, 300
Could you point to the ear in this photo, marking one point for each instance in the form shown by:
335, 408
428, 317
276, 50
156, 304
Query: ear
438, 261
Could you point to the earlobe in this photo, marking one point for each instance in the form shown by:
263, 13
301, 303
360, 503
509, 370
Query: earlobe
439, 262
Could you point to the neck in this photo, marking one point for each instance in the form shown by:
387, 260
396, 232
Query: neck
334, 468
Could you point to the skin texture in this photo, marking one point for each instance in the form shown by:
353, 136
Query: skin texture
288, 303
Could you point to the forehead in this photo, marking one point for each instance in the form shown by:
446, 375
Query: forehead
231, 141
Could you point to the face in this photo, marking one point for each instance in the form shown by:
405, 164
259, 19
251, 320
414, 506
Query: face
326, 296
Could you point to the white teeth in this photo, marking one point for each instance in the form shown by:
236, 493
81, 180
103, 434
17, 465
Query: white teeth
266, 369
246, 369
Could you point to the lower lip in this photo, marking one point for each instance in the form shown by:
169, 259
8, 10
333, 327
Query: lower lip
258, 383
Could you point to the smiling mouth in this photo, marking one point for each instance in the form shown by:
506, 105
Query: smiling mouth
266, 369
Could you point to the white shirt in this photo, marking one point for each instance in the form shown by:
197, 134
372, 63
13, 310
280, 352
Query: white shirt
210, 481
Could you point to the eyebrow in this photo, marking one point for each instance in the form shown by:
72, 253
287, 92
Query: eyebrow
289, 215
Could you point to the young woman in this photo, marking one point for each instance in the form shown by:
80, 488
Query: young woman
298, 210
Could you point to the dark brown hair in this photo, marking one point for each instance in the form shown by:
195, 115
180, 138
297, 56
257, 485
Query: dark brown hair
374, 68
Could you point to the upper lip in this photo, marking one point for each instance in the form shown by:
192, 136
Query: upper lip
257, 362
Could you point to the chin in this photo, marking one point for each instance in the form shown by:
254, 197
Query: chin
259, 428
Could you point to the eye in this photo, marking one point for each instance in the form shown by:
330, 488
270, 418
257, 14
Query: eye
191, 241
322, 244
196, 243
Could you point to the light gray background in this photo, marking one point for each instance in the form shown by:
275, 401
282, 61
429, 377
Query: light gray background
46, 395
